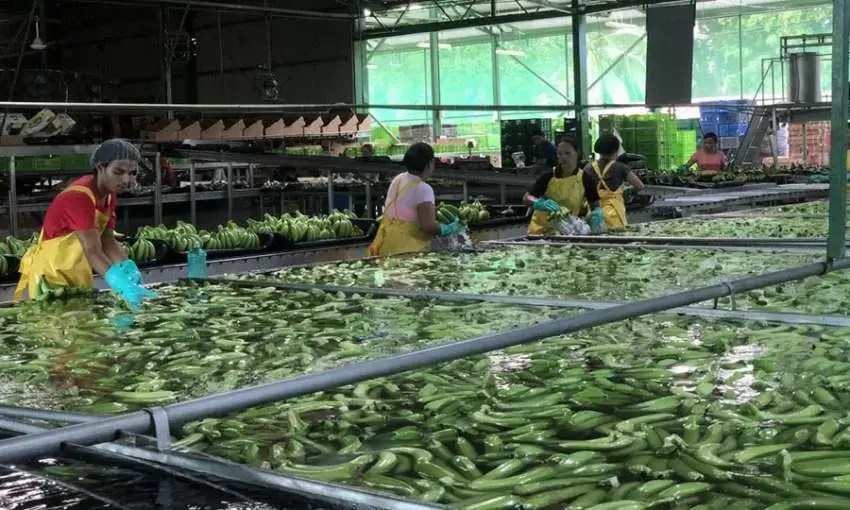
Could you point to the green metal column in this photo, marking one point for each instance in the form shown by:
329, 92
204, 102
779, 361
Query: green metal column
436, 115
580, 78
835, 247
497, 87
361, 73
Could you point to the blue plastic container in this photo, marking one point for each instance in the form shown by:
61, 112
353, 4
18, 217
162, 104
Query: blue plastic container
197, 263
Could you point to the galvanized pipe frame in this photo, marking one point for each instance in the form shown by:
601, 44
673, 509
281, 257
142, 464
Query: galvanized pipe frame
52, 441
553, 302
742, 215
765, 242
174, 463
521, 241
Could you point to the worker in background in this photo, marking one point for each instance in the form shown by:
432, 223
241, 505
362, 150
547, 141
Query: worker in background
603, 185
709, 159
410, 219
78, 232
547, 155
561, 187
367, 153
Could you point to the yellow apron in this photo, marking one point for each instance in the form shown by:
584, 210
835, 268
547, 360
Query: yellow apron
398, 236
612, 203
568, 192
61, 260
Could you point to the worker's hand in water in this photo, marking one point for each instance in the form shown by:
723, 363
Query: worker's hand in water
132, 271
123, 321
546, 205
447, 229
130, 291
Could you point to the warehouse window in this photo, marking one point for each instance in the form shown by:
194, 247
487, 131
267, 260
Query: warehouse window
616, 59
400, 73
729, 48
466, 75
717, 59
760, 34
535, 70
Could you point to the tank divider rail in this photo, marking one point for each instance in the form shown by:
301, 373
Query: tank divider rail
349, 497
745, 249
744, 315
98, 455
727, 241
740, 215
70, 486
29, 413
51, 442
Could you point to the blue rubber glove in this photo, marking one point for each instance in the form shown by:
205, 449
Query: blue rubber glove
123, 321
119, 281
132, 271
447, 229
596, 219
545, 205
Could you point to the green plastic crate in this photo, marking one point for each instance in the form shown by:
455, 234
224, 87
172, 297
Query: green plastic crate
76, 162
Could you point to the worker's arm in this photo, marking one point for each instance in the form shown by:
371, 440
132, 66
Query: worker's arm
538, 190
590, 191
112, 248
690, 162
634, 181
426, 217
94, 250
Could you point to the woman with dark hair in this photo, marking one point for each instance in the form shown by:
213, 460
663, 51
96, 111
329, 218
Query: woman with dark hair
77, 236
562, 187
603, 184
709, 159
410, 218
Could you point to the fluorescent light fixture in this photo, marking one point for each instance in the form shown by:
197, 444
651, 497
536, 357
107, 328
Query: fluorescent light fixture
415, 7
426, 45
512, 53
37, 44
371, 66
618, 24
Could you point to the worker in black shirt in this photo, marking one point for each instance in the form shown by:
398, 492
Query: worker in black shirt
547, 155
560, 187
603, 185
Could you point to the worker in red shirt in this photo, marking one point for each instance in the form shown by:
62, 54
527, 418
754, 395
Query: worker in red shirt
78, 232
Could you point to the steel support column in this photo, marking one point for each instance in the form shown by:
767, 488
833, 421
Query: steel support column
580, 79
436, 116
497, 87
361, 73
835, 247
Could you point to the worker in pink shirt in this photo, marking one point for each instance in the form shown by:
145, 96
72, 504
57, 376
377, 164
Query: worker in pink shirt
709, 159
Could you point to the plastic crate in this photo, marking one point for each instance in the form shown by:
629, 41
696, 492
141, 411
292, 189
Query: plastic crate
76, 162
739, 129
729, 142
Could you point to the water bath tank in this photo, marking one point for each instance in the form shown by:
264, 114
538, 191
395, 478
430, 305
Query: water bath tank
804, 77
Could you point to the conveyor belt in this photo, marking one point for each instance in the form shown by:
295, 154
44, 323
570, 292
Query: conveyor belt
724, 200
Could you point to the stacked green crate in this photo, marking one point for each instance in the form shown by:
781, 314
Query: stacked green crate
687, 144
622, 124
656, 138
